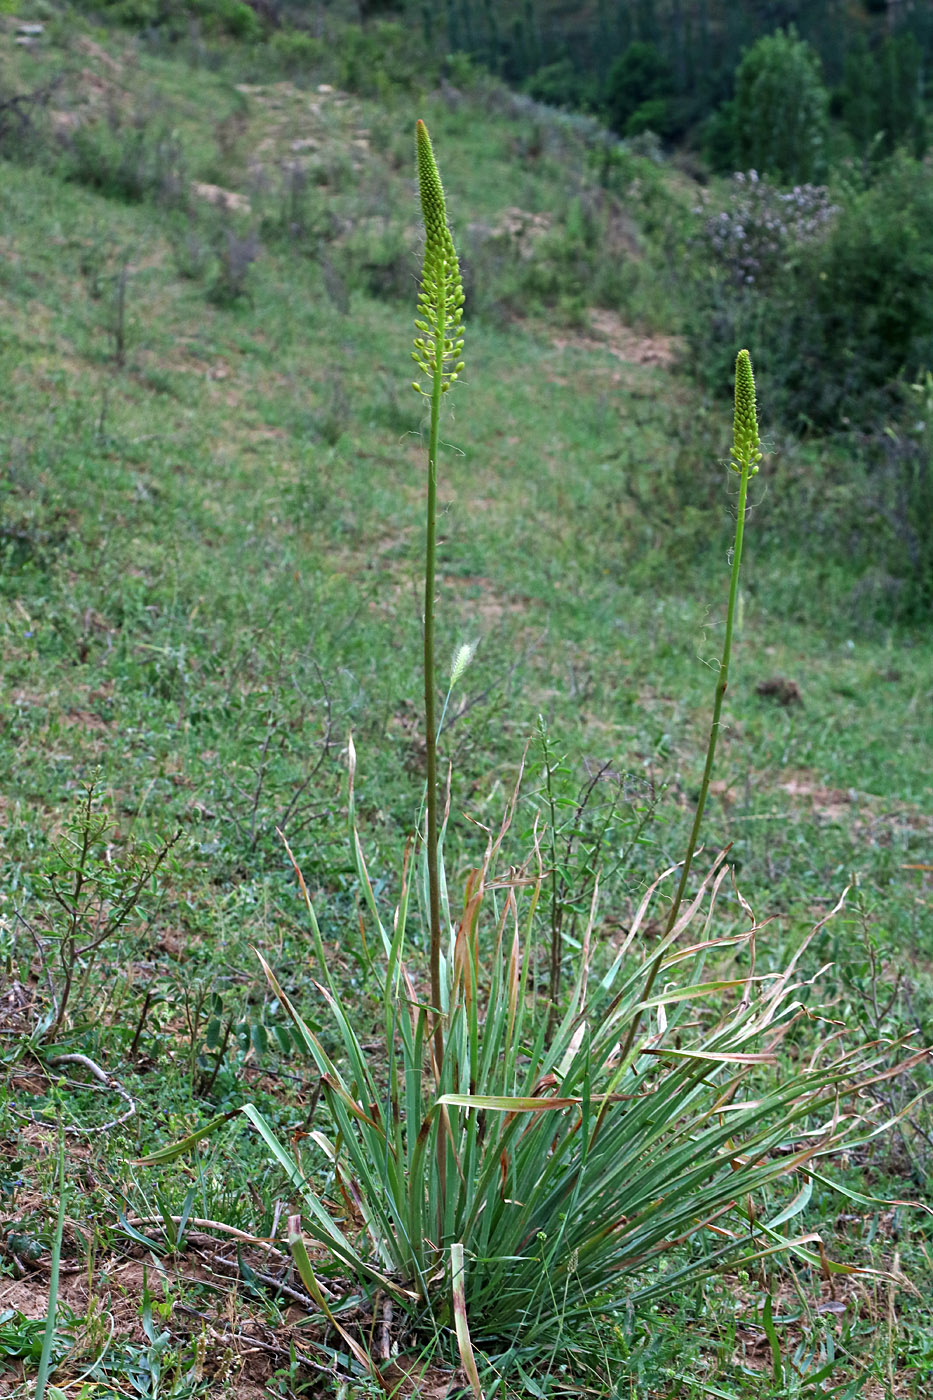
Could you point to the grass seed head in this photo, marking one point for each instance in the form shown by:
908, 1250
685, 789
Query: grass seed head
461, 660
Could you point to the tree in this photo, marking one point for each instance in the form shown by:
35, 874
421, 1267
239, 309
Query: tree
781, 109
881, 99
638, 86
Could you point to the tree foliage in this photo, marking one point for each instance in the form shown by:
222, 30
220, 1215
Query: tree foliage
638, 87
881, 97
781, 115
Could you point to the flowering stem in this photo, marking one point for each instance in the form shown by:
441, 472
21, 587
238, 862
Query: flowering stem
746, 455
430, 727
436, 348
721, 684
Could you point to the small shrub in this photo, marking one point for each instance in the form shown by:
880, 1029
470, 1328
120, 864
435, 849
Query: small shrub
376, 258
234, 18
869, 288
235, 254
92, 891
298, 212
562, 84
116, 312
901, 474
380, 59
24, 123
191, 250
918, 507
296, 55
653, 117
130, 158
134, 14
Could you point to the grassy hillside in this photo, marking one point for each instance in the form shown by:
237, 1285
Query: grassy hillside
211, 551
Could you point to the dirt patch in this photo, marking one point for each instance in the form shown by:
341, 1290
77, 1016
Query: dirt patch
220, 198
866, 812
200, 1301
325, 123
780, 689
481, 598
30, 1296
85, 719
830, 804
518, 227
846, 1297
610, 333
91, 50
867, 816
16, 1009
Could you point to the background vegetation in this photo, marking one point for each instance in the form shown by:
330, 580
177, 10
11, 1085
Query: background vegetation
210, 536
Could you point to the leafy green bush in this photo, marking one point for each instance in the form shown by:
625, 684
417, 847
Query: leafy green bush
296, 54
134, 158
135, 14
382, 58
781, 110
836, 291
235, 18
870, 304
561, 84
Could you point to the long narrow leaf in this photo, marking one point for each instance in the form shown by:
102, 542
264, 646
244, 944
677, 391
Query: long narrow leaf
175, 1149
461, 1323
302, 1261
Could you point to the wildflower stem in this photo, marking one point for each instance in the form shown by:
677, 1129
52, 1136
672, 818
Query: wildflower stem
430, 728
746, 456
440, 310
721, 684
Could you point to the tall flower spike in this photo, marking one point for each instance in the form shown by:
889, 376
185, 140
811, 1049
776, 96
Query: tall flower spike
746, 445
440, 298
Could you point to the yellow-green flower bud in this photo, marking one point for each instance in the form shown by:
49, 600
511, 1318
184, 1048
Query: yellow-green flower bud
429, 183
746, 445
440, 297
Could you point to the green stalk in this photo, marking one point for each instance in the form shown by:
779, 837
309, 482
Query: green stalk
440, 303
556, 940
746, 454
721, 684
48, 1336
430, 728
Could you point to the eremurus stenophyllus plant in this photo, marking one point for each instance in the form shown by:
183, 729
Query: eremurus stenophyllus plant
436, 352
513, 1174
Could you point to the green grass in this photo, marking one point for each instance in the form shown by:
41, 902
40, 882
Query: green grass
210, 565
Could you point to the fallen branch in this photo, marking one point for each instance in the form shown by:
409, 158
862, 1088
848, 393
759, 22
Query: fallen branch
143, 1221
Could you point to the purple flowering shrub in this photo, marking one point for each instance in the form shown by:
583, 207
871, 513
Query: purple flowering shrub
833, 288
752, 239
